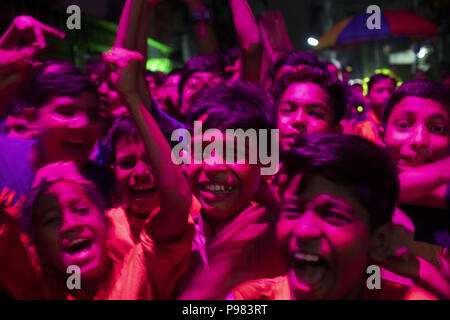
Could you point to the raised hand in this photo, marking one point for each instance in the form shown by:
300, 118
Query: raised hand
126, 70
31, 32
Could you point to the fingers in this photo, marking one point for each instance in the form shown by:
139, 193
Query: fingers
51, 30
40, 39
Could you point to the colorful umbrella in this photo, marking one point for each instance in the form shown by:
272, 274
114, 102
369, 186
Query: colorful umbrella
393, 23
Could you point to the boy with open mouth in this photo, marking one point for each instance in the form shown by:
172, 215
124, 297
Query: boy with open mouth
335, 222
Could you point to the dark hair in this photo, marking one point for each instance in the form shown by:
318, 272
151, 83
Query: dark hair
426, 89
26, 220
237, 106
351, 161
96, 67
57, 78
335, 88
297, 58
158, 75
377, 77
123, 127
172, 73
206, 63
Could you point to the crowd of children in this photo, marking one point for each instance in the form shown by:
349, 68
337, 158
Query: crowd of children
88, 177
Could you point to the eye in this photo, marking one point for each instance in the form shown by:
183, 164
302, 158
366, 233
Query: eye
317, 114
20, 128
438, 128
66, 112
402, 125
287, 108
336, 218
81, 210
127, 164
292, 212
52, 220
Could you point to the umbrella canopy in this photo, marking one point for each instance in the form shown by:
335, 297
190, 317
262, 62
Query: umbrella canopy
393, 23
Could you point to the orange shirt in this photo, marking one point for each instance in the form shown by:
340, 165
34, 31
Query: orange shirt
278, 289
125, 230
368, 128
149, 271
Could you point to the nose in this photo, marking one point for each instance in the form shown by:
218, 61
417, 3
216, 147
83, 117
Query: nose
308, 228
419, 139
71, 225
300, 121
142, 171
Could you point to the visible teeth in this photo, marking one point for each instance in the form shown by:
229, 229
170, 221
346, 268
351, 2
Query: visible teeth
217, 188
306, 257
75, 242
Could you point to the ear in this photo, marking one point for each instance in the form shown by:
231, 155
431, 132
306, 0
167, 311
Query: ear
381, 244
382, 135
338, 129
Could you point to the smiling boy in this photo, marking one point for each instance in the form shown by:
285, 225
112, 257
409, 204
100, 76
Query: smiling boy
225, 190
68, 227
69, 121
310, 100
416, 131
335, 221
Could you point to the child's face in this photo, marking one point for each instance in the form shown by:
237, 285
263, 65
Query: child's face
325, 238
70, 230
304, 108
20, 128
418, 132
69, 127
224, 190
134, 176
380, 92
194, 84
109, 98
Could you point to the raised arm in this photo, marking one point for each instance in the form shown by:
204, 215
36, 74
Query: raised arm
249, 40
205, 36
174, 192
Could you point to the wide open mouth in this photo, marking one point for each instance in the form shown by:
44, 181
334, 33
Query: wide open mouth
78, 247
310, 269
143, 191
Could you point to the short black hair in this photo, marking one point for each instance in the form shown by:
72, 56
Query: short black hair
205, 63
377, 77
57, 78
297, 58
123, 128
426, 89
335, 88
350, 161
27, 219
239, 105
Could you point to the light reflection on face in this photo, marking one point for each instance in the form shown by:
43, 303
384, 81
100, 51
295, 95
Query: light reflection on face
418, 132
304, 108
324, 235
